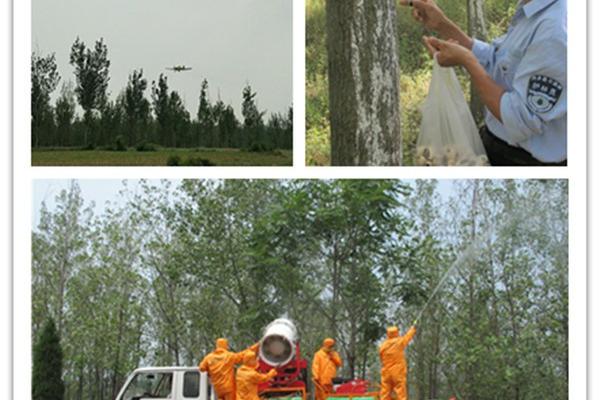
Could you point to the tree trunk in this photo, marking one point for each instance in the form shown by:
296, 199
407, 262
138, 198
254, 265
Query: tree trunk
364, 83
477, 30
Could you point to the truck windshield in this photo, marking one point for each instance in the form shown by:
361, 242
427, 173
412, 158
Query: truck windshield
150, 385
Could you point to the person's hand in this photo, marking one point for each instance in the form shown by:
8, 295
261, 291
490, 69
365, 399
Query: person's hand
448, 52
427, 13
273, 373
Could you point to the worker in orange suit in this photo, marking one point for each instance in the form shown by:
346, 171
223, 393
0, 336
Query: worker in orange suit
324, 369
220, 364
393, 363
247, 378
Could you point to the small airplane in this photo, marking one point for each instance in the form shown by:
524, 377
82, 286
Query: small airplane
179, 68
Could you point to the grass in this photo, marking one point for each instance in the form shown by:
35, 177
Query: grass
219, 157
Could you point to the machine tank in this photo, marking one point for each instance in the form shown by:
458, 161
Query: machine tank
278, 344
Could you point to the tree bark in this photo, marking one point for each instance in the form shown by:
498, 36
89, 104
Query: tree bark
477, 30
364, 83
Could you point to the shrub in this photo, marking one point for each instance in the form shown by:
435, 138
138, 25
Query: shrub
197, 162
119, 144
89, 147
257, 147
173, 161
147, 147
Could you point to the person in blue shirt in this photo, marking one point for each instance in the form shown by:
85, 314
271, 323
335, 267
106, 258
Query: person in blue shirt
521, 78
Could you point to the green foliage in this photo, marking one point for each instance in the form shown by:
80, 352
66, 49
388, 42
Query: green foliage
91, 73
119, 144
161, 105
136, 106
64, 113
205, 116
197, 162
145, 146
46, 380
259, 148
173, 161
253, 118
44, 80
415, 64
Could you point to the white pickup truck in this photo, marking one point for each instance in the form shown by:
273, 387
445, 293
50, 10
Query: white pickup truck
167, 383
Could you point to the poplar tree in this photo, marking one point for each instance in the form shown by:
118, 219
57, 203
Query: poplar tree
364, 83
91, 73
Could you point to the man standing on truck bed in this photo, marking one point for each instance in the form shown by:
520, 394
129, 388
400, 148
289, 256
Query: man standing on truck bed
220, 365
247, 378
324, 369
393, 363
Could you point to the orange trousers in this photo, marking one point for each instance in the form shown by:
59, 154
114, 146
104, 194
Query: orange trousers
397, 385
226, 396
322, 391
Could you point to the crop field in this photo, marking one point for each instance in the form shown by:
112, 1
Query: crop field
185, 157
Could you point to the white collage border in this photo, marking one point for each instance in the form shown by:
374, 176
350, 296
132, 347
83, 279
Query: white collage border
24, 175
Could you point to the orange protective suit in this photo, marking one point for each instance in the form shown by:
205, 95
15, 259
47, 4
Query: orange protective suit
324, 369
393, 363
220, 364
247, 378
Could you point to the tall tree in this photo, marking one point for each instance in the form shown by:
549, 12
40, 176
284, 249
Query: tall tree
205, 117
228, 127
179, 118
172, 117
60, 249
137, 107
44, 80
343, 226
218, 114
46, 380
113, 124
364, 98
91, 72
64, 112
253, 117
160, 105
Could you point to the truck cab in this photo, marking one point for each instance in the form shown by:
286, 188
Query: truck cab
167, 383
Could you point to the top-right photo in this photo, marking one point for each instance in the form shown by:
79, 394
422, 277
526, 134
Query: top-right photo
436, 83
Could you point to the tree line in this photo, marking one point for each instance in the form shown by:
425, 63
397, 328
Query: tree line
133, 120
167, 267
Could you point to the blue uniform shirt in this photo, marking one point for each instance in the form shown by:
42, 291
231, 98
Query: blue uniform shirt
530, 62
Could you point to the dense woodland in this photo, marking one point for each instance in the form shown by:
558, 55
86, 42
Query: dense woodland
156, 276
484, 19
136, 120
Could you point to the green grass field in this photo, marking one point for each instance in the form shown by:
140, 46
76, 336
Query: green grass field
219, 157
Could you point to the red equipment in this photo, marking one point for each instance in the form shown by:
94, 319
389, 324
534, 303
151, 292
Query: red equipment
356, 386
290, 378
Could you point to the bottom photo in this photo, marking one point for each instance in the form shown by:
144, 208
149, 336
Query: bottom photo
300, 289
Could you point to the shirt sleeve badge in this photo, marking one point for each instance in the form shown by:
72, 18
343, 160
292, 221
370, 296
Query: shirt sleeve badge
543, 93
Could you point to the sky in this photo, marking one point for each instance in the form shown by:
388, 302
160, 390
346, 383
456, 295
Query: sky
228, 42
101, 191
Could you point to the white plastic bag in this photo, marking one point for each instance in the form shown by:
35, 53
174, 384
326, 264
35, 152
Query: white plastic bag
448, 134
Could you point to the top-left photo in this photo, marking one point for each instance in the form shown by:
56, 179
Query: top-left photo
156, 83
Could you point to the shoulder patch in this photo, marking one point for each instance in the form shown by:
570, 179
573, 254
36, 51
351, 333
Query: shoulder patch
543, 93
